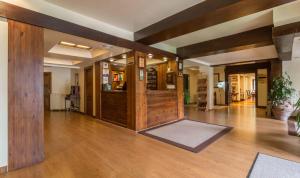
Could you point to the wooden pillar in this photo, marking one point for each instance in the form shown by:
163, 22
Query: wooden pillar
180, 89
25, 94
98, 89
136, 93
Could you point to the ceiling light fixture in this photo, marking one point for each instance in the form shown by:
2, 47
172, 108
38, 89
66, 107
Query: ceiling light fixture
83, 47
150, 55
165, 59
124, 56
67, 43
111, 60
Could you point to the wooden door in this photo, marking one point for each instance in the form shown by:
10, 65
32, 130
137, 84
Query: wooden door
47, 90
25, 95
89, 104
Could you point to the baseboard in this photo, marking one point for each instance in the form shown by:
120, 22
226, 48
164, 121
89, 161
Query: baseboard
3, 170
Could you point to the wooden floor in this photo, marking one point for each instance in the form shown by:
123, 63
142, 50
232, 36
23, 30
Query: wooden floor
77, 146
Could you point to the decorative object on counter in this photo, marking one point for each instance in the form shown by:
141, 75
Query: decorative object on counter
141, 74
202, 94
281, 96
106, 87
151, 79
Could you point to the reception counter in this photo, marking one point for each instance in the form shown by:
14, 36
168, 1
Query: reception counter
162, 107
114, 107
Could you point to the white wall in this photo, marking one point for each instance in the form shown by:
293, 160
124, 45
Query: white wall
61, 85
220, 92
262, 88
47, 8
292, 69
3, 93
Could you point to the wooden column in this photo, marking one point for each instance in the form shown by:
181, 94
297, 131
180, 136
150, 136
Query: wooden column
180, 97
98, 89
136, 94
25, 94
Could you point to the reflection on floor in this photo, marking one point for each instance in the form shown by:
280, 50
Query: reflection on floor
78, 146
248, 102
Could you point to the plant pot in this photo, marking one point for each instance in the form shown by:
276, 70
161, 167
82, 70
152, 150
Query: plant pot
292, 126
282, 112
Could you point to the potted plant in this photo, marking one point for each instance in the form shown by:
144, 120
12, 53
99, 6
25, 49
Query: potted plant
281, 97
294, 121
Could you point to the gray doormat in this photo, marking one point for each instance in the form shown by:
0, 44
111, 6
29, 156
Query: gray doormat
188, 134
265, 166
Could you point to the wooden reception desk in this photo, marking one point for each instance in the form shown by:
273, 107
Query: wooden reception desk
162, 107
114, 107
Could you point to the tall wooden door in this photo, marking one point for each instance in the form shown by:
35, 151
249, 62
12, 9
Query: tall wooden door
25, 95
47, 90
89, 104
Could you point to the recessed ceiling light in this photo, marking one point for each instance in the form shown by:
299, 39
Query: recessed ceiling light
67, 43
150, 55
111, 60
124, 56
83, 47
165, 59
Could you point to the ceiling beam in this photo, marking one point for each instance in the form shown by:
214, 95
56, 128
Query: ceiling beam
200, 16
23, 15
250, 39
283, 37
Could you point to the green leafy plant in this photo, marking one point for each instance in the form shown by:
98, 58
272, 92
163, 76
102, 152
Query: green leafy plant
297, 108
282, 90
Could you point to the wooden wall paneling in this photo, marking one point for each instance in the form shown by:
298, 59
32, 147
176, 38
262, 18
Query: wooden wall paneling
89, 91
131, 104
162, 107
180, 97
276, 69
98, 89
161, 76
140, 94
25, 93
115, 107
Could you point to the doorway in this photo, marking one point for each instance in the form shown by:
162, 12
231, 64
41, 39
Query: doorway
47, 90
89, 104
242, 89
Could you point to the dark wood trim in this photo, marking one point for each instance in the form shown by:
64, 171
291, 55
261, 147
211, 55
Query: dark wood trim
3, 170
247, 62
98, 89
196, 149
20, 14
85, 98
202, 15
25, 95
283, 37
250, 39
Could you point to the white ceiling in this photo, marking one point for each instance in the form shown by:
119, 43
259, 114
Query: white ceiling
239, 25
254, 54
131, 15
54, 52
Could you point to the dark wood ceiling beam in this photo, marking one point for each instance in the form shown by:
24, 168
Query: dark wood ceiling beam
202, 15
283, 37
251, 39
20, 14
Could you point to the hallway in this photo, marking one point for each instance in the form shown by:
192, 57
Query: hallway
79, 146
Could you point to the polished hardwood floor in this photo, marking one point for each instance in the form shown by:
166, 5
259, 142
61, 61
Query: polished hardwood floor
81, 147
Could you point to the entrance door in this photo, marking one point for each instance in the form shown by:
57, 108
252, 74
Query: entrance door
89, 91
47, 90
